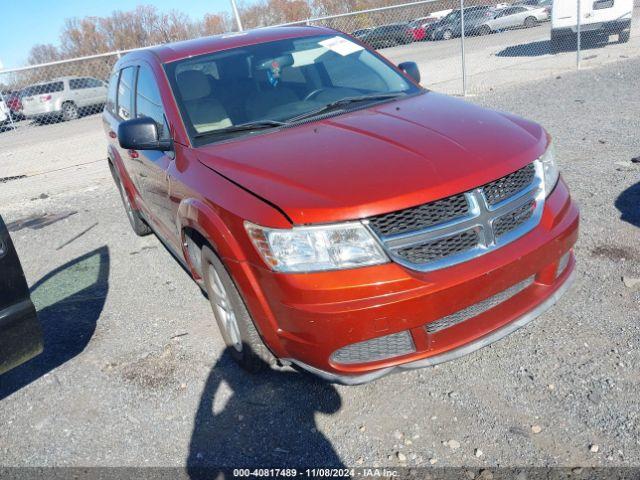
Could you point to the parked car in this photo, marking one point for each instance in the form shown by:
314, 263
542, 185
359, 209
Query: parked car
20, 331
12, 99
548, 4
340, 217
388, 36
361, 32
419, 28
514, 17
451, 25
598, 20
64, 98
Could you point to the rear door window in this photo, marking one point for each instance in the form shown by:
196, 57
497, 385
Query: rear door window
78, 83
125, 93
43, 88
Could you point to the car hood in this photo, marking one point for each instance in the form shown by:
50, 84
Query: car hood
380, 159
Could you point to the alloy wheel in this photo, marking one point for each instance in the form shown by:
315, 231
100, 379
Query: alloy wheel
224, 310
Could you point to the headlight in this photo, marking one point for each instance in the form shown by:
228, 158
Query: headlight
311, 249
550, 169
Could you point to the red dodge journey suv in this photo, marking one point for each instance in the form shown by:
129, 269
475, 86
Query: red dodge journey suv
340, 217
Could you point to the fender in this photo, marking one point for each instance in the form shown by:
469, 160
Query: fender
197, 215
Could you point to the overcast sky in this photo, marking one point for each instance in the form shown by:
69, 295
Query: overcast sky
24, 23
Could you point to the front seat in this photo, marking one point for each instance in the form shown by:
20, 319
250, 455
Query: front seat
271, 94
205, 112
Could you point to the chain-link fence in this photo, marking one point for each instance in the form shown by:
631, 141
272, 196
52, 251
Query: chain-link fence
461, 46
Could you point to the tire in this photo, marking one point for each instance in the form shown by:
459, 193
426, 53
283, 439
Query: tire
447, 35
530, 22
69, 111
234, 321
623, 37
138, 225
484, 30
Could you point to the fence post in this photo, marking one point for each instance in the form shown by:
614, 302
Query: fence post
464, 63
578, 39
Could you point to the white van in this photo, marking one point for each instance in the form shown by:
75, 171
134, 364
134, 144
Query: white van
598, 18
64, 98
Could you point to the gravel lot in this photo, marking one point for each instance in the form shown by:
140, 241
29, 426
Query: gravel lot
134, 371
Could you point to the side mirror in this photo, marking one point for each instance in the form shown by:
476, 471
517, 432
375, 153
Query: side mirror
141, 134
411, 69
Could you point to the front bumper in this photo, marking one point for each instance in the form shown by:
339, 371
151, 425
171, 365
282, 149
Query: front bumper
320, 313
20, 335
452, 354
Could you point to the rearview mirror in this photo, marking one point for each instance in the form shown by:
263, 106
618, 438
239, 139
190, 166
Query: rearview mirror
411, 69
141, 134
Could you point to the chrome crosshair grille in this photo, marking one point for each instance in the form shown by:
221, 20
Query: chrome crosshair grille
464, 226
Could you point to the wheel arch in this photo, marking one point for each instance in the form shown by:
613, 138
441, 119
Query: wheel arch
200, 225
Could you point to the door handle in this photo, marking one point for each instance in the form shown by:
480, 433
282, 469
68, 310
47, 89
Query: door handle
112, 134
133, 154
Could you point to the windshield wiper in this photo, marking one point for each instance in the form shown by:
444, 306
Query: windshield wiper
344, 102
256, 125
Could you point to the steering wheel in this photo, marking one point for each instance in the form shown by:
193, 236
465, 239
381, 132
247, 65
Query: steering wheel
314, 94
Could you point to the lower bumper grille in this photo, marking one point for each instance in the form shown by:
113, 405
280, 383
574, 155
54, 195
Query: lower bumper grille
563, 263
478, 308
380, 348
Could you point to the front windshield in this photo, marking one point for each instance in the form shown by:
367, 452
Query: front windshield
276, 81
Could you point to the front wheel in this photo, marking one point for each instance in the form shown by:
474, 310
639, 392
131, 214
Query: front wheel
233, 319
530, 22
447, 35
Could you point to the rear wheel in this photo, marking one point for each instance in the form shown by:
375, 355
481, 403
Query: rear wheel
137, 223
233, 319
530, 22
484, 30
69, 111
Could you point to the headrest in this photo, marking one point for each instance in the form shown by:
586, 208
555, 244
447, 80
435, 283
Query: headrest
193, 85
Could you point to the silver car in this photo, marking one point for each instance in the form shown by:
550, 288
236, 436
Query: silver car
63, 98
514, 17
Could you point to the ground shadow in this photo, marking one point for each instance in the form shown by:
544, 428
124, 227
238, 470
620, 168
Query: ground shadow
628, 203
543, 47
267, 421
69, 301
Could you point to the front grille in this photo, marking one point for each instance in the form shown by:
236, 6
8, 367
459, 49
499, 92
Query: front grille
509, 185
463, 226
438, 249
422, 216
381, 348
512, 220
477, 308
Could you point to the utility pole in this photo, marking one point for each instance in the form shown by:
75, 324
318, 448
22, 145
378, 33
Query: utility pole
464, 63
236, 14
